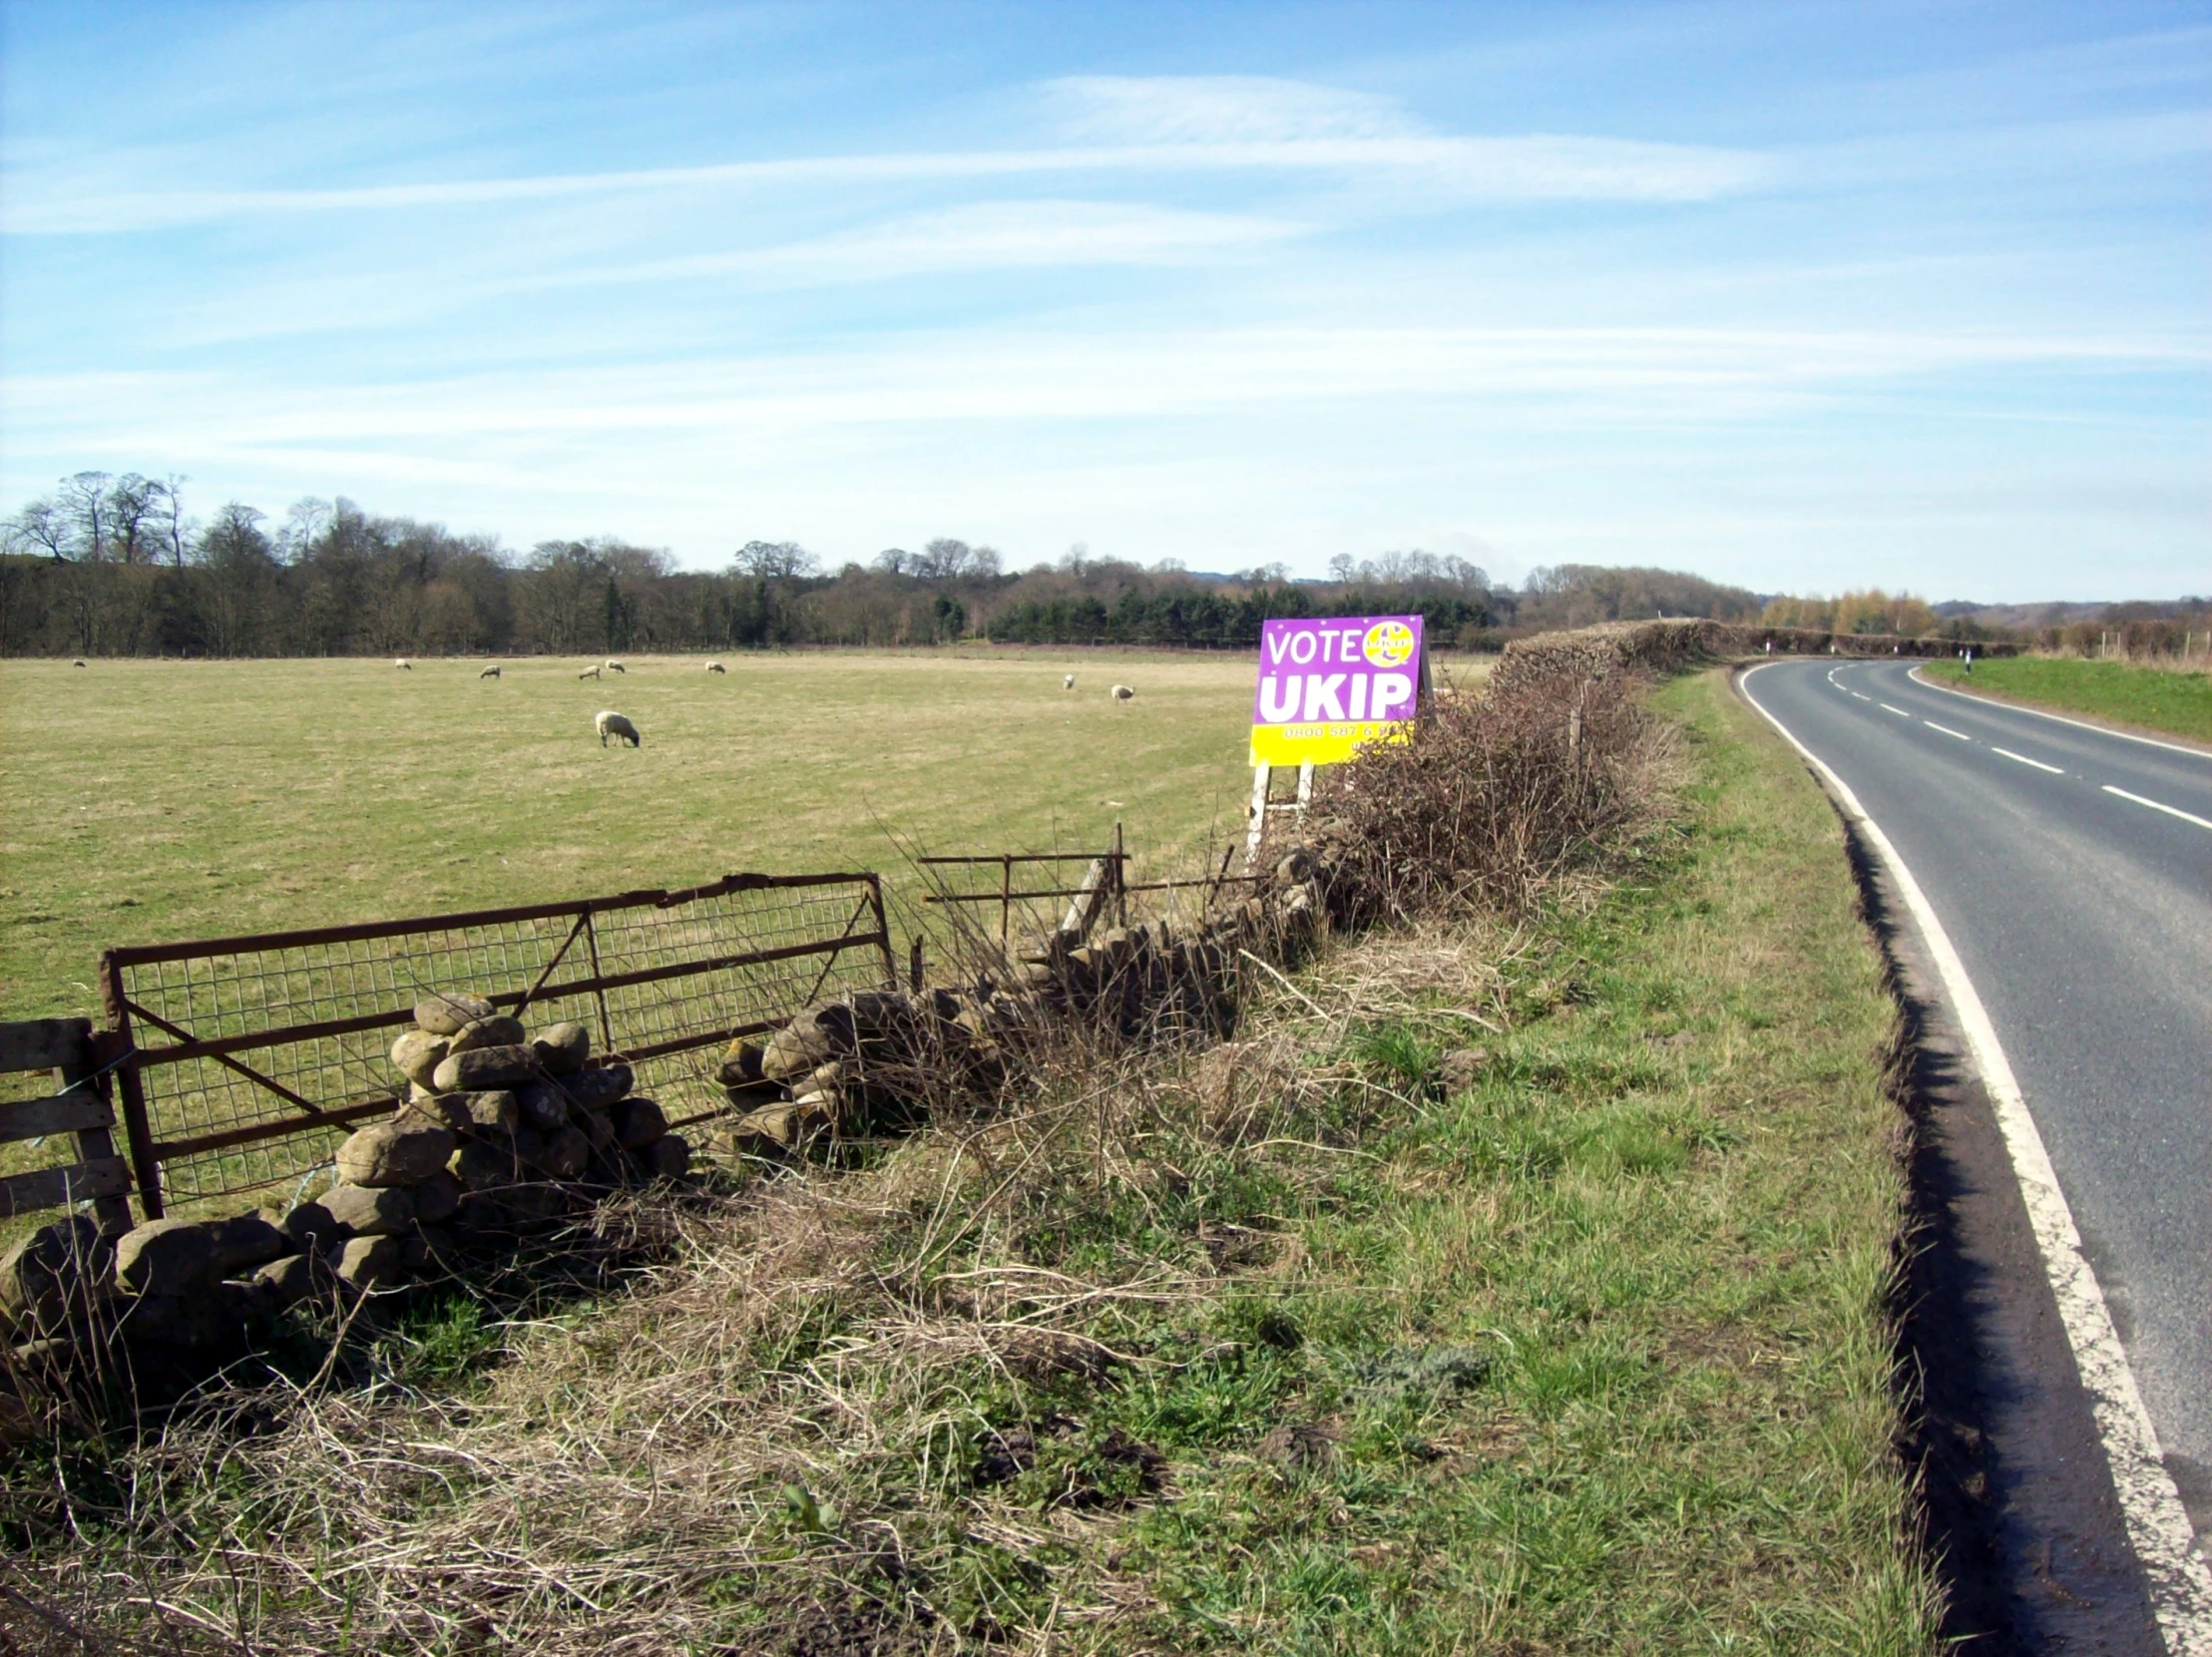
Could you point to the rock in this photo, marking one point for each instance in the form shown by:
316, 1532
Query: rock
368, 1262
495, 1110
1297, 1447
668, 1157
1296, 867
598, 1129
417, 1054
371, 1210
167, 1257
59, 1269
824, 1078
596, 1089
436, 1198
399, 1153
478, 1214
246, 1241
542, 1105
450, 1013
217, 1315
534, 1203
482, 1168
566, 1153
499, 1030
295, 1278
485, 1068
311, 1226
740, 1063
818, 1033
1462, 1067
19, 1421
563, 1048
637, 1123
776, 1129
446, 1111
431, 1248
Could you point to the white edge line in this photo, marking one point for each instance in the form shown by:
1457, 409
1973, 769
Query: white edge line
1912, 674
2155, 805
2054, 770
2157, 1525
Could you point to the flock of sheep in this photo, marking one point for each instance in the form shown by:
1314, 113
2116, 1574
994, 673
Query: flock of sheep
608, 723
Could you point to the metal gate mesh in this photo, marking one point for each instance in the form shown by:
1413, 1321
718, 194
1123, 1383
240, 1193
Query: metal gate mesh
256, 1055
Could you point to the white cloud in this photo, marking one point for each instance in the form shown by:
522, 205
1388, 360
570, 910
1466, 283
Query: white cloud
1218, 108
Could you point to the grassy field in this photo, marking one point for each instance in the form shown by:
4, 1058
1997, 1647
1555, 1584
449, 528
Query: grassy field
2147, 698
1581, 1348
157, 800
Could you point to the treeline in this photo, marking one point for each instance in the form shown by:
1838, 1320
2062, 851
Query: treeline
113, 566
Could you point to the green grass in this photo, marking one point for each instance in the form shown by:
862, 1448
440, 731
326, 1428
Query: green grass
1595, 1351
2148, 698
157, 801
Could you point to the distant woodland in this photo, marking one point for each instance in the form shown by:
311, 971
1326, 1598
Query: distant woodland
115, 566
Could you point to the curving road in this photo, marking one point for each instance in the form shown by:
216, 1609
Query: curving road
2073, 870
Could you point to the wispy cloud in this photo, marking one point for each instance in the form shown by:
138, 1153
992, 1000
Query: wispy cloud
1160, 127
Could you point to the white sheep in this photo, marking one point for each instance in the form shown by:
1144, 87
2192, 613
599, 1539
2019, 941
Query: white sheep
1122, 692
589, 673
491, 672
79, 662
404, 665
1067, 682
717, 668
610, 723
614, 666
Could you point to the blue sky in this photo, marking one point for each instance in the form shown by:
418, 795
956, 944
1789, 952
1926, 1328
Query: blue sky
1794, 295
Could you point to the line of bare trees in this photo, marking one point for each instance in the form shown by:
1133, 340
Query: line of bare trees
115, 566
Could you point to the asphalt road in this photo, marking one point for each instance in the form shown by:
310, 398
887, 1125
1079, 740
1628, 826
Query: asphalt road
2065, 866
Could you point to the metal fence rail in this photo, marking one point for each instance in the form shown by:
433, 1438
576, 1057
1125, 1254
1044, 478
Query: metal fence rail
253, 1056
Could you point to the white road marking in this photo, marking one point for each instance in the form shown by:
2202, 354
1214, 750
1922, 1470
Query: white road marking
2169, 810
2054, 770
1898, 711
2157, 1525
2044, 713
1862, 696
1947, 730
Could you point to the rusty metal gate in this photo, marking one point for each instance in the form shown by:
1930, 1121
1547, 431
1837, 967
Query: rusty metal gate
244, 1061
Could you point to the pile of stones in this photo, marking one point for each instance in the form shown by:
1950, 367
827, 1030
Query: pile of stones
502, 1135
879, 1061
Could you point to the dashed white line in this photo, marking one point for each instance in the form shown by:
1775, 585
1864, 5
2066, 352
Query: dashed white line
2157, 1525
1947, 730
1898, 711
2054, 770
1861, 696
1914, 673
2169, 810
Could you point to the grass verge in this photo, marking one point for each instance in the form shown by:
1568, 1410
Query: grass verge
2149, 699
1341, 1339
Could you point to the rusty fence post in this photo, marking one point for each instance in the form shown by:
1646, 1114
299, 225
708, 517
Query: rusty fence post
116, 1047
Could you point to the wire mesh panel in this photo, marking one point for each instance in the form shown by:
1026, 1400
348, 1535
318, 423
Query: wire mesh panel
256, 1056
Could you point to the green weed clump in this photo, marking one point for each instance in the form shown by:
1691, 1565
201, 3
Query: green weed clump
1506, 1284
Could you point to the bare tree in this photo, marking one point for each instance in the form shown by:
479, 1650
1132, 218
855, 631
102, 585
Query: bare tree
132, 510
774, 560
84, 498
170, 507
42, 526
306, 523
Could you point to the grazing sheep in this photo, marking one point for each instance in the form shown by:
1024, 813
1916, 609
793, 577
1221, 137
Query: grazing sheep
589, 673
1122, 692
404, 665
614, 666
1067, 682
489, 673
609, 723
79, 662
717, 668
